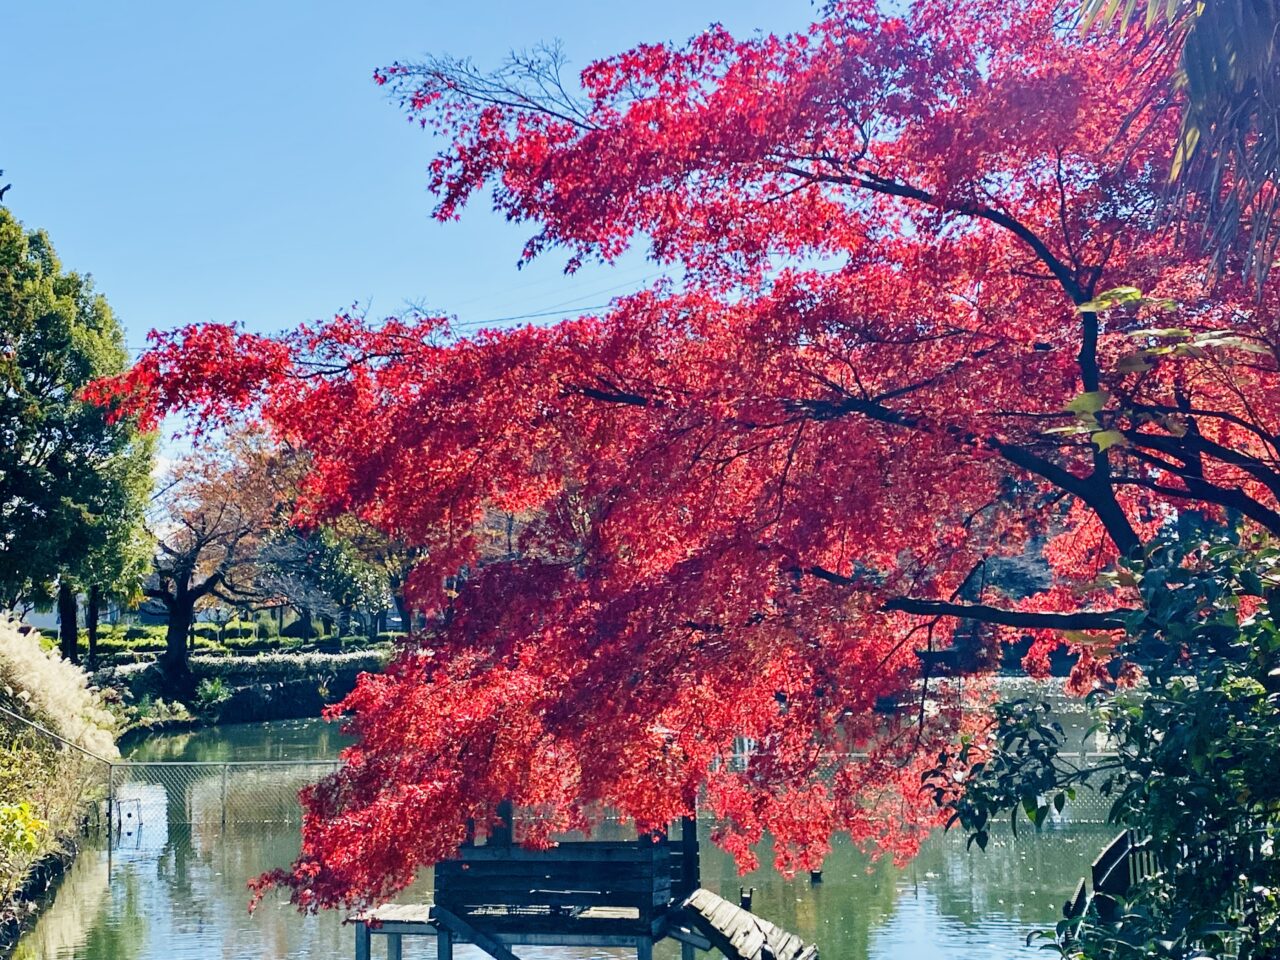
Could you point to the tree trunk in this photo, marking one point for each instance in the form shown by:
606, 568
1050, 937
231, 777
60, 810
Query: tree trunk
91, 625
307, 627
175, 662
68, 632
402, 609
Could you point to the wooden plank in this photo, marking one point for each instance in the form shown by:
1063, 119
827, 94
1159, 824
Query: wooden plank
644, 904
394, 950
1110, 871
533, 893
740, 934
623, 881
1075, 906
679, 928
582, 871
627, 851
362, 941
456, 925
398, 913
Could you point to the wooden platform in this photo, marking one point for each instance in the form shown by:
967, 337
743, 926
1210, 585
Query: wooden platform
735, 932
585, 893
495, 933
739, 934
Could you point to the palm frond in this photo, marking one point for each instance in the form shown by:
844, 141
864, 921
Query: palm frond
1226, 163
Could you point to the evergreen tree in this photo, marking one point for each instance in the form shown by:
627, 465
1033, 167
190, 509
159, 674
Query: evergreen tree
73, 484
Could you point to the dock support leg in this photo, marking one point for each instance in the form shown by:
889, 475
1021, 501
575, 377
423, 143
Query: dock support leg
444, 945
362, 941
688, 951
393, 947
644, 950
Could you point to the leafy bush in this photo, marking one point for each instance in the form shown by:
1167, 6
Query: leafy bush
150, 710
284, 666
211, 693
36, 772
147, 632
296, 631
1194, 775
267, 626
261, 645
22, 835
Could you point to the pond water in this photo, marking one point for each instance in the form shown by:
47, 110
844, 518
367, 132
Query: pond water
169, 891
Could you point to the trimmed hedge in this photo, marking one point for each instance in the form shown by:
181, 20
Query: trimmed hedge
140, 632
288, 666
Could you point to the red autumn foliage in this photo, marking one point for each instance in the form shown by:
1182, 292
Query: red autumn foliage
747, 494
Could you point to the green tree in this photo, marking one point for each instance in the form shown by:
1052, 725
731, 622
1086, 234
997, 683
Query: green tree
73, 484
1197, 745
322, 572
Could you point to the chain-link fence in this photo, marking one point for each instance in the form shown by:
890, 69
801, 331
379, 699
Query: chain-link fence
180, 792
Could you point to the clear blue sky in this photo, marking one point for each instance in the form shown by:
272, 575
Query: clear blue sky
233, 161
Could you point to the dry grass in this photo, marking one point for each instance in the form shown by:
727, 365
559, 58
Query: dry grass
57, 782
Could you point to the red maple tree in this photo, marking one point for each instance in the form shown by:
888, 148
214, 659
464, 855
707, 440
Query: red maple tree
748, 494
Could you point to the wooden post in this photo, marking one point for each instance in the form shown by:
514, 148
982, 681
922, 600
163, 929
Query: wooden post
444, 945
690, 872
362, 941
688, 951
503, 834
394, 951
644, 950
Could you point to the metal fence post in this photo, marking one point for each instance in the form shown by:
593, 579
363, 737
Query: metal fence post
224, 795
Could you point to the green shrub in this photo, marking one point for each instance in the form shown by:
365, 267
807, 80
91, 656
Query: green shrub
108, 646
207, 631
390, 636
267, 626
288, 666
35, 773
211, 693
295, 630
146, 632
239, 631
21, 838
152, 710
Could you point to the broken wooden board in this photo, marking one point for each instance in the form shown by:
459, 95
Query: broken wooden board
739, 934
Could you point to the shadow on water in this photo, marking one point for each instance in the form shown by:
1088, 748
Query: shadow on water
173, 890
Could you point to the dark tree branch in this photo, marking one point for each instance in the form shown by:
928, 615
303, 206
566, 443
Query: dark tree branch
1078, 620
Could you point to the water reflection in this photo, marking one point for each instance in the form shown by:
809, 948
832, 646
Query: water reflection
172, 890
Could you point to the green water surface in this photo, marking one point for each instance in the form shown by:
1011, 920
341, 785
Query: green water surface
167, 891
